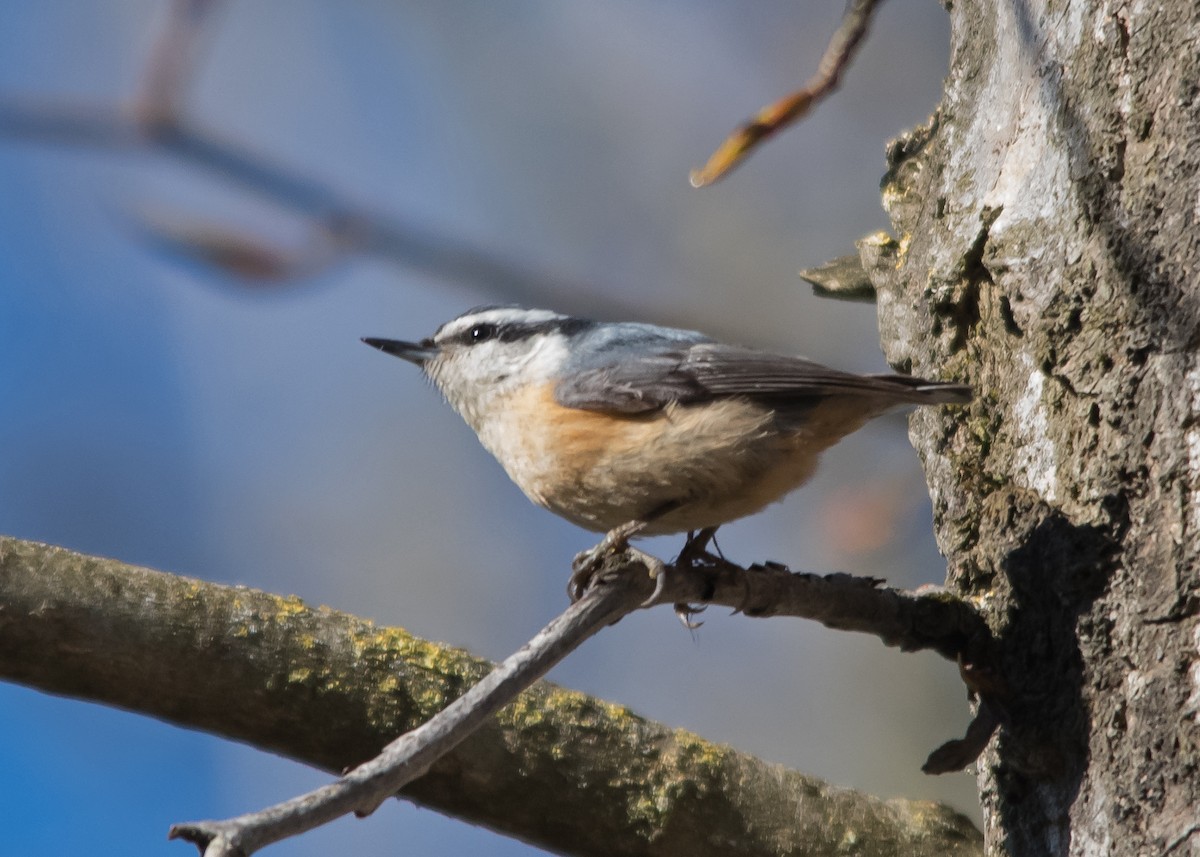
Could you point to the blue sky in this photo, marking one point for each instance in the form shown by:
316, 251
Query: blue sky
167, 415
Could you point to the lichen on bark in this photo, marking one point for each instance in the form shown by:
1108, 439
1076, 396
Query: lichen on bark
558, 768
1048, 253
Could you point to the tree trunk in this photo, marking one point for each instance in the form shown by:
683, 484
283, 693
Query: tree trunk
1049, 253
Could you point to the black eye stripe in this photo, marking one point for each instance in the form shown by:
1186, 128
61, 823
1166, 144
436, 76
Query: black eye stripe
515, 331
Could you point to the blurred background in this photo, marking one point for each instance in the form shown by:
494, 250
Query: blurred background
169, 413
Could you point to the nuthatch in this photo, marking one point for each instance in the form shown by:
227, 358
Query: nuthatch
634, 429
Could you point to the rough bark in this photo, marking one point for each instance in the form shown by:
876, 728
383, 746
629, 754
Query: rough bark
1048, 252
557, 768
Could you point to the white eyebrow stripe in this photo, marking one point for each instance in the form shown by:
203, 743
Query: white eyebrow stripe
498, 316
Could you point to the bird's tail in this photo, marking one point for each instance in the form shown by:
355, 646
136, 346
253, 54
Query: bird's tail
919, 391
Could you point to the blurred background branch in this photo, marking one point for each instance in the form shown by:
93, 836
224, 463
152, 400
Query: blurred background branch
156, 122
170, 64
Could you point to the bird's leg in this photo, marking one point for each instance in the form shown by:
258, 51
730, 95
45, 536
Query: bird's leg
696, 547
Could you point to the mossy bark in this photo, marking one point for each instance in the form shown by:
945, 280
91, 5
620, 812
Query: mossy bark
557, 768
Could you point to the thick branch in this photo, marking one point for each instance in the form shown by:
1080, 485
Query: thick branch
557, 768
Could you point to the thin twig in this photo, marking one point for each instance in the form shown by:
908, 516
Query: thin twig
957, 754
931, 619
159, 103
364, 788
843, 279
775, 117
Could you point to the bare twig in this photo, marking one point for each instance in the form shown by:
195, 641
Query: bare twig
159, 103
69, 124
775, 117
364, 788
932, 619
957, 754
843, 279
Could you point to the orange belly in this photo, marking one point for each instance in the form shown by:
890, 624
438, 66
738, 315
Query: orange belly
719, 461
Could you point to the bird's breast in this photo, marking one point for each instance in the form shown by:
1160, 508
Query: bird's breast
716, 461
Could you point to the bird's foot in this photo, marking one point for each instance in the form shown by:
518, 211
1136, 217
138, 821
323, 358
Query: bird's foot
684, 612
694, 552
588, 564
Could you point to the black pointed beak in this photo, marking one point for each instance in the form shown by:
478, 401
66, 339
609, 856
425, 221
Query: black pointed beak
413, 352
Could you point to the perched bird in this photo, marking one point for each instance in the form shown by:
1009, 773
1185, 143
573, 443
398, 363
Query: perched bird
636, 429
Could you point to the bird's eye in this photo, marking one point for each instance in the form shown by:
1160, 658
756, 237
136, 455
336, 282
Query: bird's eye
482, 333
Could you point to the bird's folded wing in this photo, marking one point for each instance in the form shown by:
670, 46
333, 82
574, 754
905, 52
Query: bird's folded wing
710, 370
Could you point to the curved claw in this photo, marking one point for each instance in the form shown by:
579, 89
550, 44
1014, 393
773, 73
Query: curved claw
583, 571
685, 612
659, 574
